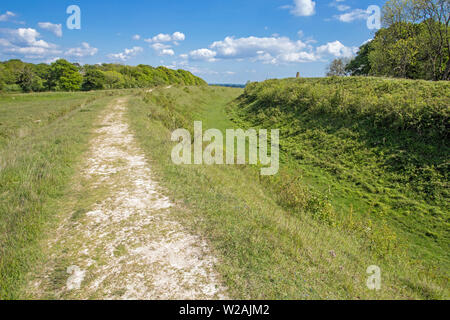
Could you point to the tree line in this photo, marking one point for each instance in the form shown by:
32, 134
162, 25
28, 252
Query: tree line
61, 75
414, 43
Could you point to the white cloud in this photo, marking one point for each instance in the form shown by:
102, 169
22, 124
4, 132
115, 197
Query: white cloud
4, 43
167, 52
339, 5
356, 14
297, 57
200, 71
136, 37
6, 16
178, 36
51, 60
126, 54
159, 42
160, 46
163, 49
303, 8
55, 28
269, 50
162, 37
203, 54
84, 51
28, 36
337, 49
25, 41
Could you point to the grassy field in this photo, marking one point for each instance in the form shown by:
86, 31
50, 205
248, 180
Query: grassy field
363, 181
301, 234
42, 137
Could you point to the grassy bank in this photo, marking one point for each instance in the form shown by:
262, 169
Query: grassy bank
42, 137
276, 238
377, 148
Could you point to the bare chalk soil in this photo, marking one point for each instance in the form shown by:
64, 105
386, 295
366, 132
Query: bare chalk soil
120, 240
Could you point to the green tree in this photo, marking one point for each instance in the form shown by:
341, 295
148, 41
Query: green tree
337, 67
422, 29
395, 51
93, 79
25, 79
64, 76
114, 80
360, 65
2, 77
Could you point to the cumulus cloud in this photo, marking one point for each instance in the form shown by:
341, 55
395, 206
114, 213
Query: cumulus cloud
159, 43
54, 28
266, 49
160, 46
338, 4
270, 50
337, 49
25, 41
27, 36
136, 37
162, 37
163, 49
84, 51
356, 14
178, 36
203, 54
6, 16
167, 52
302, 8
126, 54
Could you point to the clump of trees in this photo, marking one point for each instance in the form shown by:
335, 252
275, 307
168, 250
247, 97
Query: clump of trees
338, 67
19, 76
414, 43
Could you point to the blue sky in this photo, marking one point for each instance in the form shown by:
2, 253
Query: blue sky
227, 41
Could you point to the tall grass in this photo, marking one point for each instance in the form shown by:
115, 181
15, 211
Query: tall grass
375, 149
275, 238
34, 171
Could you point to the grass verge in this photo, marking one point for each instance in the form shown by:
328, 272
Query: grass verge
34, 171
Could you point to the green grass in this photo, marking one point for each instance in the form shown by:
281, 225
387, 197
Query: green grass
279, 237
36, 163
21, 113
381, 152
363, 181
